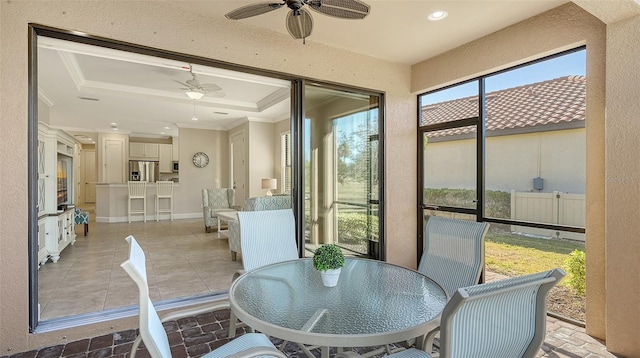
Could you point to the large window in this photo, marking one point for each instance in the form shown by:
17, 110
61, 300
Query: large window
285, 162
509, 148
342, 171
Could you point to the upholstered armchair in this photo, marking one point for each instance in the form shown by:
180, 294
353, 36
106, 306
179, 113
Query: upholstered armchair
82, 218
215, 201
276, 202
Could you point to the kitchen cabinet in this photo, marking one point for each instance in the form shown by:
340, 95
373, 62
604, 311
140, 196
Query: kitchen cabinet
165, 157
143, 151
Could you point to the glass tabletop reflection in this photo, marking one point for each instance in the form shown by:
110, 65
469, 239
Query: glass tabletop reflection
373, 299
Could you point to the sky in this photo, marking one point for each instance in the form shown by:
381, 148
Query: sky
571, 64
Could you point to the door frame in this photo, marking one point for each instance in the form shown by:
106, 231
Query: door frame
297, 122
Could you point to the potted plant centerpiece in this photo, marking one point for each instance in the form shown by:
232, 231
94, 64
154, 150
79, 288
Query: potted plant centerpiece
329, 259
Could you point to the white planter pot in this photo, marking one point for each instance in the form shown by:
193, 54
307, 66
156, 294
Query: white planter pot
330, 277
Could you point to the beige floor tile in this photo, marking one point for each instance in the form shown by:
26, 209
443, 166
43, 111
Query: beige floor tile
88, 276
72, 303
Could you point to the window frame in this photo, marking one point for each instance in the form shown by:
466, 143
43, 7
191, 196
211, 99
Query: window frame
479, 211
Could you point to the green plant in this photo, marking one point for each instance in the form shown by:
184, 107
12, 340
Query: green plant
576, 266
497, 203
328, 257
352, 227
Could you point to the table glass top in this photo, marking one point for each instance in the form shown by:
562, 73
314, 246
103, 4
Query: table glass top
371, 297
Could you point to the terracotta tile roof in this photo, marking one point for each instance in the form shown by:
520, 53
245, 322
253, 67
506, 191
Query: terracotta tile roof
556, 101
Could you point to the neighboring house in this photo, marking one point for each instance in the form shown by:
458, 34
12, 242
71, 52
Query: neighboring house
535, 151
540, 125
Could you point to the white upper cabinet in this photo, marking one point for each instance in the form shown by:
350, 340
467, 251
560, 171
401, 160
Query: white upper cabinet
143, 151
165, 157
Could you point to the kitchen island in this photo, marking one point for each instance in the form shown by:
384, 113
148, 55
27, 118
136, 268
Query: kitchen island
111, 203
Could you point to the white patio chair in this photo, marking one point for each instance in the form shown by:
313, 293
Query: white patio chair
266, 237
453, 252
498, 319
152, 332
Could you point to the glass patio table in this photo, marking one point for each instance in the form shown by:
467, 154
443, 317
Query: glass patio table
374, 303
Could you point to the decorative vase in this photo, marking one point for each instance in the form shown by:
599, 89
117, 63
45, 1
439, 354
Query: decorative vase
330, 277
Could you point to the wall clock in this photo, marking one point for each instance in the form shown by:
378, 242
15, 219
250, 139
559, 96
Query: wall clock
200, 160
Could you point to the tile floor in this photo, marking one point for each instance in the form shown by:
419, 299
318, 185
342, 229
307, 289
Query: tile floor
182, 260
196, 336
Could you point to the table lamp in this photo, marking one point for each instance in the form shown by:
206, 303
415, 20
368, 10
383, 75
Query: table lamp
269, 184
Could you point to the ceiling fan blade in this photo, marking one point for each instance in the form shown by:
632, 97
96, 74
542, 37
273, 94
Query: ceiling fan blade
211, 87
343, 9
299, 24
184, 84
252, 10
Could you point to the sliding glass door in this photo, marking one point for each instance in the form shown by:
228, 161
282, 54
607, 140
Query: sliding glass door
341, 170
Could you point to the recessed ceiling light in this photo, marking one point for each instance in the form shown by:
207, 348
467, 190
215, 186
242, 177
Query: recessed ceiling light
167, 128
438, 15
194, 118
114, 123
162, 133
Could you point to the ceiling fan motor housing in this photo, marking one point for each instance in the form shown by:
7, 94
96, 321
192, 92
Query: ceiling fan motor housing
295, 5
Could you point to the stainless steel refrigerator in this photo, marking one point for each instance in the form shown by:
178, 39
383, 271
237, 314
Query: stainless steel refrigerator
143, 171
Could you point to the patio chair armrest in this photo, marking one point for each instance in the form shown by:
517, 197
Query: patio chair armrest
425, 342
347, 355
214, 306
237, 274
180, 314
257, 352
236, 207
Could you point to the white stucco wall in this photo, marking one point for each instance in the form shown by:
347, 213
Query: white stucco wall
623, 188
563, 28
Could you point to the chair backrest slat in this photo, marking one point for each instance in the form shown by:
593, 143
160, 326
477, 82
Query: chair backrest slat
267, 237
453, 252
503, 318
164, 188
137, 188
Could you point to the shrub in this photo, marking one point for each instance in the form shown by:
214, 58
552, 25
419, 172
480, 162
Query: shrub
575, 264
328, 257
497, 203
353, 227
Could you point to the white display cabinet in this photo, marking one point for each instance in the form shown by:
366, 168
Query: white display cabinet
56, 215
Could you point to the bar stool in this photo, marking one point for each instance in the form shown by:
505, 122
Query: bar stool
138, 190
164, 190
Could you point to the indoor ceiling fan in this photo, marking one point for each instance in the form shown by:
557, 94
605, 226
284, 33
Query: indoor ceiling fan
299, 21
195, 90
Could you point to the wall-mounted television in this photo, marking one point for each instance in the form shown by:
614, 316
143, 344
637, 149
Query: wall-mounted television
63, 182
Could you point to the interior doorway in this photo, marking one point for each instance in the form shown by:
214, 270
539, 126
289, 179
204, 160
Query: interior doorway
238, 161
88, 175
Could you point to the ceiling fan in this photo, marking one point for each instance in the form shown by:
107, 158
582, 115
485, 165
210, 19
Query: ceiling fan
195, 90
299, 21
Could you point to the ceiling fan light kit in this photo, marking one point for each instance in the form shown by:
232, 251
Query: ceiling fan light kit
299, 21
196, 90
195, 95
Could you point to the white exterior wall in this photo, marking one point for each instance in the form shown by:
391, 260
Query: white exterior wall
511, 162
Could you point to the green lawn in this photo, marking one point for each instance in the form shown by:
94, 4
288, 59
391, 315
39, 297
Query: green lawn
515, 255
